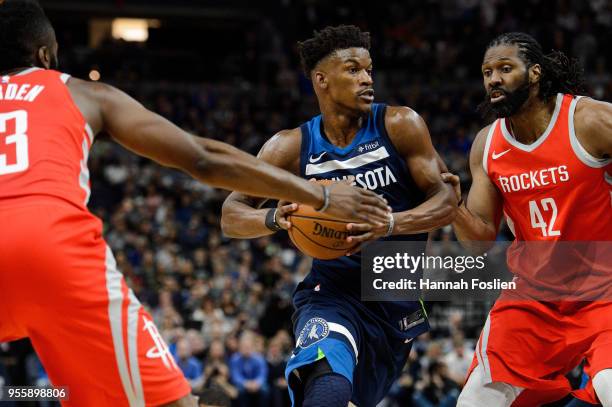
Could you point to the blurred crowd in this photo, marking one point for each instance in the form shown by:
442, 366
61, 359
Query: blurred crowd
224, 306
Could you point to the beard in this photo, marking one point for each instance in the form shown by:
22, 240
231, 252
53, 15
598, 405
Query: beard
510, 105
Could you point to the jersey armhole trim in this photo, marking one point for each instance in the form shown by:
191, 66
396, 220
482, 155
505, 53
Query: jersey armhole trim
90, 133
28, 70
64, 77
382, 128
485, 155
582, 154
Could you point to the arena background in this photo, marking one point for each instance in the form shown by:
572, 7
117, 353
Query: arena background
229, 70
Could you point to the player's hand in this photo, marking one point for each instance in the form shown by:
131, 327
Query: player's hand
455, 181
365, 232
283, 210
356, 204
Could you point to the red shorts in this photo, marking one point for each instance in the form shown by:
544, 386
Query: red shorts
59, 286
533, 345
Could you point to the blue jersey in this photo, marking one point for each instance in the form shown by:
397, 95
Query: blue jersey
376, 165
366, 342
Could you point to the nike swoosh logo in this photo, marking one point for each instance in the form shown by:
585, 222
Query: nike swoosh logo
313, 159
496, 156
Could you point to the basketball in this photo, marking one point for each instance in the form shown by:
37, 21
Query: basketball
317, 234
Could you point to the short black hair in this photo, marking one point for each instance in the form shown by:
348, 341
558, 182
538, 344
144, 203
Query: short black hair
328, 40
24, 28
560, 74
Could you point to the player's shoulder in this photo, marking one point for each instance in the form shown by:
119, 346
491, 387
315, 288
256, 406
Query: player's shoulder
283, 148
402, 118
285, 139
481, 137
478, 146
593, 126
591, 113
406, 128
94, 90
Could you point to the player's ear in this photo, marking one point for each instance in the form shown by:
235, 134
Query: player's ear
535, 73
319, 79
43, 57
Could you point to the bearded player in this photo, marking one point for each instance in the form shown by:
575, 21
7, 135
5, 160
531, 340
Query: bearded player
347, 349
545, 164
59, 283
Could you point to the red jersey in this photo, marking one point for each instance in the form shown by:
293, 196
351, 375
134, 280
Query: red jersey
59, 281
553, 190
44, 139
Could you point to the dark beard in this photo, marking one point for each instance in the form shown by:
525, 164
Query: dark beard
507, 107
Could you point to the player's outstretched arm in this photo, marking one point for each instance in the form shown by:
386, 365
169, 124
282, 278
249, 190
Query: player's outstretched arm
479, 218
243, 218
213, 162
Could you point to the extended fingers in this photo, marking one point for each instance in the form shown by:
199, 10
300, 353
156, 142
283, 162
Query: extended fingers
361, 232
360, 238
285, 209
358, 227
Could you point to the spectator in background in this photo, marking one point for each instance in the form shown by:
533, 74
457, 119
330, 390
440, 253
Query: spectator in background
277, 360
191, 367
459, 359
249, 373
216, 373
197, 344
436, 388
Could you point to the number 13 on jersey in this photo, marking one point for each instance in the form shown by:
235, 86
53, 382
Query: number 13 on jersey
537, 218
17, 138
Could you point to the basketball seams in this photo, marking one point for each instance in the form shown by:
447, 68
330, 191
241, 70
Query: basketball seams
323, 219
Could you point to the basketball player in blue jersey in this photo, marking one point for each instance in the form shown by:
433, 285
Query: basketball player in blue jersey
347, 349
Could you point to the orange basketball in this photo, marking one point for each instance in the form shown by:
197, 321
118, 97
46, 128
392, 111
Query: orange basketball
317, 234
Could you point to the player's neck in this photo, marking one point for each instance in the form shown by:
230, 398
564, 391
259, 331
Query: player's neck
340, 128
531, 121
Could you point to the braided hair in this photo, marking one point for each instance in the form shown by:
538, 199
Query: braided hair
560, 74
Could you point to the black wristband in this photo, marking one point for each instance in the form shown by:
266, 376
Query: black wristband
271, 222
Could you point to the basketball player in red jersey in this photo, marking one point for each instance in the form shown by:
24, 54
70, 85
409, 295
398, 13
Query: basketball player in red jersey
546, 164
59, 283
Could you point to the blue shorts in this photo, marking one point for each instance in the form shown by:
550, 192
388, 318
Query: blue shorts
364, 349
